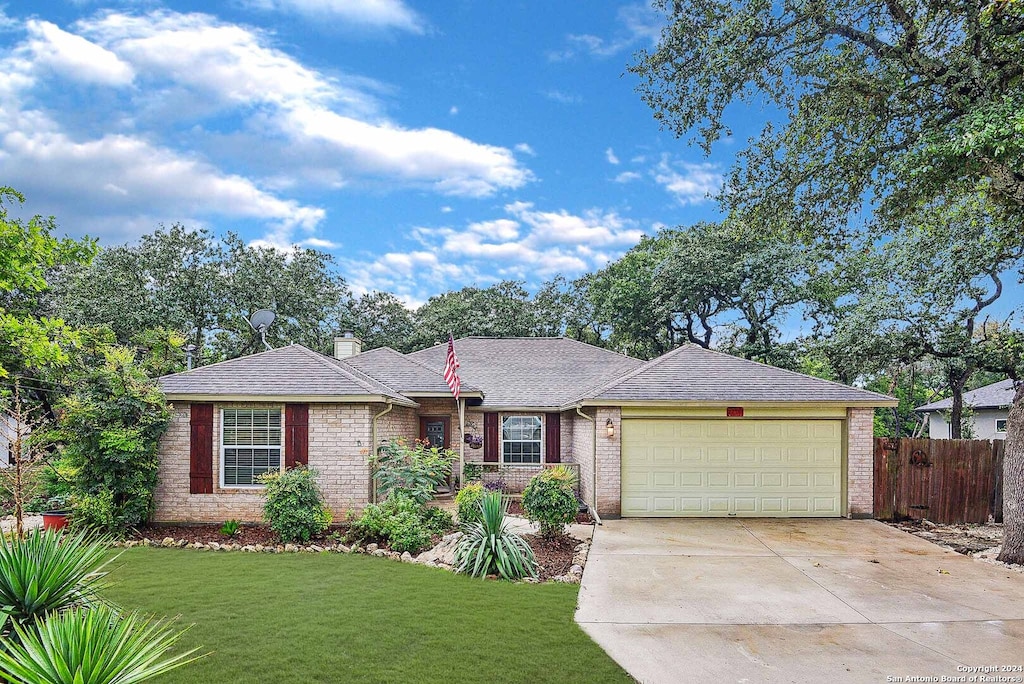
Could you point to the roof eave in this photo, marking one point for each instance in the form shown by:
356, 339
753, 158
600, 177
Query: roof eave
292, 398
442, 395
874, 403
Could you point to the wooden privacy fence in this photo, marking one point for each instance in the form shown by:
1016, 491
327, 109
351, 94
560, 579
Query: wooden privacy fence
942, 480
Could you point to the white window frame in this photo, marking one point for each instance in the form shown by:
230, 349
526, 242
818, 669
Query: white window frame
1003, 421
279, 447
501, 439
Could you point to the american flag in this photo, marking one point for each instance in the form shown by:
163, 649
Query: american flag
451, 369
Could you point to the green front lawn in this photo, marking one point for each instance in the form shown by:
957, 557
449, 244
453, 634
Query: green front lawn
338, 618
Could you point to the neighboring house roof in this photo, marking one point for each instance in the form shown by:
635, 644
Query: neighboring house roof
997, 395
408, 376
292, 371
534, 372
693, 374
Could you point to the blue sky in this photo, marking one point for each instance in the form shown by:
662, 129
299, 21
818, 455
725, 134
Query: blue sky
427, 146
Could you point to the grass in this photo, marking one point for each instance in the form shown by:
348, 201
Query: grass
330, 618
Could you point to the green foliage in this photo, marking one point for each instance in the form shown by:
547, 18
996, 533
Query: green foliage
92, 646
549, 499
489, 547
472, 472
468, 501
501, 310
402, 523
231, 528
110, 425
47, 572
380, 319
415, 471
294, 505
95, 512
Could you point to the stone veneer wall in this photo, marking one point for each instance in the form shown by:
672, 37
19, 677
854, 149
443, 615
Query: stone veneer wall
339, 446
608, 461
860, 466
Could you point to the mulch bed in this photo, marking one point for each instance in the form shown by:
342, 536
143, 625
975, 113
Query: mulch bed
516, 508
967, 539
554, 556
247, 534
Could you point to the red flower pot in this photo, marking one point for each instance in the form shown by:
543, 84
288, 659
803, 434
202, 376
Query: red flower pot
55, 520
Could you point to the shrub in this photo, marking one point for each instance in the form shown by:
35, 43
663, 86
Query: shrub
91, 646
550, 500
401, 523
48, 571
417, 471
231, 528
472, 472
438, 520
488, 547
468, 500
295, 507
94, 512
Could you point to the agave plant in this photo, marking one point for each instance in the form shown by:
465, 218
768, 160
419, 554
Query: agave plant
91, 646
48, 571
489, 547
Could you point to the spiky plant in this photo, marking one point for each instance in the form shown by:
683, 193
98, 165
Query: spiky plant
48, 571
91, 646
489, 547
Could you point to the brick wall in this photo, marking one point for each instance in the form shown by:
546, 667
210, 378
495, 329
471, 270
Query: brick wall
608, 461
582, 447
860, 462
339, 446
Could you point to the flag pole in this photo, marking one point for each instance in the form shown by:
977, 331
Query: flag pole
461, 403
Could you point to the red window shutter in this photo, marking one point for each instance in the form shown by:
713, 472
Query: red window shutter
553, 438
296, 435
200, 450
491, 448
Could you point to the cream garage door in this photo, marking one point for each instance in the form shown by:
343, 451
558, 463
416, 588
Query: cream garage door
784, 468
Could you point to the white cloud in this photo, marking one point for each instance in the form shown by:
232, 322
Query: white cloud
378, 14
627, 177
688, 183
453, 110
525, 149
637, 24
609, 154
563, 97
75, 56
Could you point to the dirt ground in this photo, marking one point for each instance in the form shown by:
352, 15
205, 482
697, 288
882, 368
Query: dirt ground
978, 541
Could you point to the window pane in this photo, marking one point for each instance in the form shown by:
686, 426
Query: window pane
521, 439
252, 444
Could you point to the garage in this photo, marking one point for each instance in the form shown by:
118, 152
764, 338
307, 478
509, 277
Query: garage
678, 467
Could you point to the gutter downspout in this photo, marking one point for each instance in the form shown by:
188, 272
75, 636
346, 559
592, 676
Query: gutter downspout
373, 448
593, 507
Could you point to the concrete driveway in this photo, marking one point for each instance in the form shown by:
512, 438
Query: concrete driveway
795, 601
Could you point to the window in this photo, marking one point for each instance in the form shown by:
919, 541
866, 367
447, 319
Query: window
250, 445
520, 439
1001, 425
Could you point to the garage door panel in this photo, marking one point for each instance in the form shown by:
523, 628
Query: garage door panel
720, 467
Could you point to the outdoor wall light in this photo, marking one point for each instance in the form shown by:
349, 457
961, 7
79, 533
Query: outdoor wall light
610, 426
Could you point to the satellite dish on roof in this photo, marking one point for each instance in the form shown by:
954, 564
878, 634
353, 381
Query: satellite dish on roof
260, 321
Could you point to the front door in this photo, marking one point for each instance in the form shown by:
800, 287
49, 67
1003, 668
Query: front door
435, 431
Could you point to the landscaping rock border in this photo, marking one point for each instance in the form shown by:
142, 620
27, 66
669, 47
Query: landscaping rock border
441, 556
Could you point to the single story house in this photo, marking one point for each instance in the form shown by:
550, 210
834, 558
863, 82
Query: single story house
990, 406
691, 433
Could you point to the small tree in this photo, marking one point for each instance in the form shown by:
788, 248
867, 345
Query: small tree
417, 471
550, 500
22, 426
295, 507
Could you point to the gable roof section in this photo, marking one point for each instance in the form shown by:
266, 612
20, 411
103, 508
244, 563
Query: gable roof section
691, 373
292, 371
997, 395
408, 376
529, 372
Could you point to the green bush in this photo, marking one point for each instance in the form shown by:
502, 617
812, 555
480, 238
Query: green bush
468, 501
294, 506
91, 646
231, 528
550, 500
416, 471
401, 523
472, 472
94, 512
489, 547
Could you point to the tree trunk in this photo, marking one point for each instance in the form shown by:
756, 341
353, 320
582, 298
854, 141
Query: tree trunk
1013, 482
957, 381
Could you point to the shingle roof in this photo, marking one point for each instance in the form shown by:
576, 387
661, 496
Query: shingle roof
692, 373
402, 372
997, 395
536, 372
287, 371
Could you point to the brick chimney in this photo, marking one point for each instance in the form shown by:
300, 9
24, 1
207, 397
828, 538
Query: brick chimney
347, 345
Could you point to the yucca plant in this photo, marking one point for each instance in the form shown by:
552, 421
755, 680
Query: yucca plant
91, 646
48, 571
489, 547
